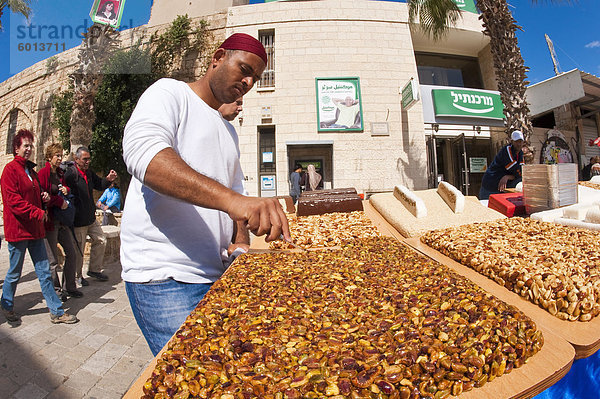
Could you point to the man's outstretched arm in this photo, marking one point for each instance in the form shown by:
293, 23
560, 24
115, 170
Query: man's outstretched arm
168, 174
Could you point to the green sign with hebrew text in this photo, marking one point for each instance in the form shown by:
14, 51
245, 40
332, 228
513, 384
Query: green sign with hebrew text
467, 103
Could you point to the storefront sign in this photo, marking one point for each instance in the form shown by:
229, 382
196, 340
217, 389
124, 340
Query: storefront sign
410, 93
467, 103
107, 12
339, 104
267, 182
477, 165
466, 5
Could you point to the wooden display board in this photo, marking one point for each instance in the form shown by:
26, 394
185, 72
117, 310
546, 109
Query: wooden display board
584, 336
541, 371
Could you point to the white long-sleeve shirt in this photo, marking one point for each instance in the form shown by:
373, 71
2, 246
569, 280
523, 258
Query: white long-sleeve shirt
162, 237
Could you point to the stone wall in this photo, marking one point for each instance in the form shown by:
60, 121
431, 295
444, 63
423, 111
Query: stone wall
486, 64
365, 39
32, 90
368, 40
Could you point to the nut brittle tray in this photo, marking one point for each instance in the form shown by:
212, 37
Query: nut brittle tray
584, 336
367, 319
542, 370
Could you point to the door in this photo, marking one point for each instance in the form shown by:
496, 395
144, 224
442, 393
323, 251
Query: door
432, 175
461, 166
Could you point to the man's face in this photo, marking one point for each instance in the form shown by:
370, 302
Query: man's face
349, 101
231, 110
518, 145
234, 73
83, 162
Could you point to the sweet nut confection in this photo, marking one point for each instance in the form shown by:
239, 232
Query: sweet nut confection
329, 230
554, 266
373, 319
329, 191
451, 196
321, 204
590, 184
411, 201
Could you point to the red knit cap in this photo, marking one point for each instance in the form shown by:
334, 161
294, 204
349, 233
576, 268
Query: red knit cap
242, 41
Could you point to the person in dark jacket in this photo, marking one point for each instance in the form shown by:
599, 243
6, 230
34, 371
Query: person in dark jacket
82, 182
24, 218
295, 178
56, 232
505, 170
588, 171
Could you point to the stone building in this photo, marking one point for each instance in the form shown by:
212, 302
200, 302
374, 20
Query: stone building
399, 82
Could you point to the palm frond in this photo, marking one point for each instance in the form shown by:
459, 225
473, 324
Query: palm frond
435, 16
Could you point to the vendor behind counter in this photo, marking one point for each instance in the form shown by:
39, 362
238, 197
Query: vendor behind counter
505, 170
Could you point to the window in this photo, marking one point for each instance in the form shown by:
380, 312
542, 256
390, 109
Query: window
448, 70
266, 149
546, 120
267, 38
12, 129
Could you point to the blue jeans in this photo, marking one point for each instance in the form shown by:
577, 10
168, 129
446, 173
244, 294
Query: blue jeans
160, 307
37, 251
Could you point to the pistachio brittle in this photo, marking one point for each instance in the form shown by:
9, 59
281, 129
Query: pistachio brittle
374, 319
328, 230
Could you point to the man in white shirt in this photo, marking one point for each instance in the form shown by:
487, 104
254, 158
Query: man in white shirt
186, 192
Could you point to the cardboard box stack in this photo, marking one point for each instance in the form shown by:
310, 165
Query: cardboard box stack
549, 186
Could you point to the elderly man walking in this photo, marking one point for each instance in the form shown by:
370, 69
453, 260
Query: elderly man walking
82, 182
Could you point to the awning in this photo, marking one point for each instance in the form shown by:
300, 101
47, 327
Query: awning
590, 103
575, 86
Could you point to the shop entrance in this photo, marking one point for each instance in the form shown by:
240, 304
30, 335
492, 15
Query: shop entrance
458, 160
461, 167
320, 155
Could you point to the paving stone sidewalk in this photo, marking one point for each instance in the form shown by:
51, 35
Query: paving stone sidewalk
99, 357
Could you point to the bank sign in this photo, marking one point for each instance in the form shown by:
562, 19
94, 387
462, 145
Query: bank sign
467, 103
466, 5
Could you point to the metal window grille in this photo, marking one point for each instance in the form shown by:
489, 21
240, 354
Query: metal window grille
267, 38
266, 144
12, 129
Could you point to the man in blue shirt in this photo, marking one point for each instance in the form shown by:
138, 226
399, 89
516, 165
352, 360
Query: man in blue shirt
110, 199
505, 170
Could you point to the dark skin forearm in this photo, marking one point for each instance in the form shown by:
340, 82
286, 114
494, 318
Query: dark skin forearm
168, 174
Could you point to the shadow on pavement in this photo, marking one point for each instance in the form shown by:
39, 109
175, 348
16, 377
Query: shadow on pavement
95, 292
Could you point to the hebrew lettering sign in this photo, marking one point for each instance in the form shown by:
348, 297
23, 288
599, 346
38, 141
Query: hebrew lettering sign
467, 103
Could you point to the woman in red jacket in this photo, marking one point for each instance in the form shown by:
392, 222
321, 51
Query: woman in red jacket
56, 232
24, 219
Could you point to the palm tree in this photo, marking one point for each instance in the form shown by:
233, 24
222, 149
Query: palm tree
435, 16
18, 6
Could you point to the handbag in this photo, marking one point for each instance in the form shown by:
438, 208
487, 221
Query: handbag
65, 216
